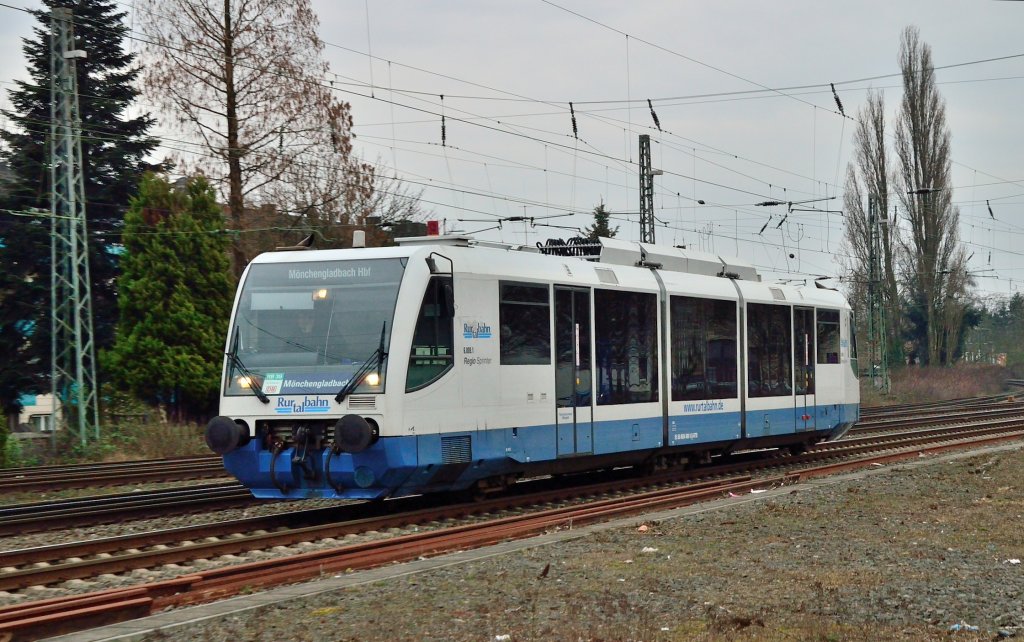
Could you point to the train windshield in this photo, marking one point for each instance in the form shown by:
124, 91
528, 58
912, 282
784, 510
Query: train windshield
306, 328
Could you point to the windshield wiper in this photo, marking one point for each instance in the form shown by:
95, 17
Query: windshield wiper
374, 361
254, 385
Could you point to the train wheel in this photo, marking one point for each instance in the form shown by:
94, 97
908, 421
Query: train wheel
798, 449
484, 488
648, 468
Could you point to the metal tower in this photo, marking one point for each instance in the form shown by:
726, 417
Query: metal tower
877, 340
646, 191
73, 369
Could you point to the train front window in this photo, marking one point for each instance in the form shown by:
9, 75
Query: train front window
305, 328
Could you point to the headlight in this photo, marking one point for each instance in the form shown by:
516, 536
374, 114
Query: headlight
372, 379
246, 382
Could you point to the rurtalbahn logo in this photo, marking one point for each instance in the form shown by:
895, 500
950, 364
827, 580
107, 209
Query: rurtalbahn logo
306, 405
476, 330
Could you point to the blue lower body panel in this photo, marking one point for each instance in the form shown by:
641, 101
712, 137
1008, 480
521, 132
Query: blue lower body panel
453, 461
686, 430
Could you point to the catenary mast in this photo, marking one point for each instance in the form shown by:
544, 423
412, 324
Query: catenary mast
73, 370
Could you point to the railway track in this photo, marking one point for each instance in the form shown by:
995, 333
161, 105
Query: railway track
105, 509
50, 478
913, 419
421, 531
207, 467
20, 519
965, 402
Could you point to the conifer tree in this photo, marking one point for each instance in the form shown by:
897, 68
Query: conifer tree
174, 297
24, 293
600, 227
114, 145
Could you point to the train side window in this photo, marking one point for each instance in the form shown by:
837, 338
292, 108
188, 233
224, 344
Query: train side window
803, 350
433, 340
626, 341
769, 350
828, 336
524, 315
853, 345
703, 349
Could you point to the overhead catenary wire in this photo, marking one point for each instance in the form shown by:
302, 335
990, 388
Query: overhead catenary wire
548, 169
986, 60
442, 116
672, 52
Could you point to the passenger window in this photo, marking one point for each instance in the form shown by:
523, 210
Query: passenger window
703, 349
433, 339
626, 338
828, 336
803, 350
769, 350
524, 315
853, 345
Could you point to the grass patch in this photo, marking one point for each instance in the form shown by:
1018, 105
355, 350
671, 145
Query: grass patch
156, 441
123, 442
935, 383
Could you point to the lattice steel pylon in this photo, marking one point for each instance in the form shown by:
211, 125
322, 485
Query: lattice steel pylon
646, 191
877, 340
73, 369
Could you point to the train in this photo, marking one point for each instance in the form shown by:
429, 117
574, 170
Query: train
451, 363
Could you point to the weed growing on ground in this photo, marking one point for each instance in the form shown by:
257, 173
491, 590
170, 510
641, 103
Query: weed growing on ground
122, 442
934, 383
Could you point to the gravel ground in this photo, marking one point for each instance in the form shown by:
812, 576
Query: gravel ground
904, 555
31, 497
58, 536
169, 571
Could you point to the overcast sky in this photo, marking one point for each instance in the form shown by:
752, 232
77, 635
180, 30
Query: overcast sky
508, 71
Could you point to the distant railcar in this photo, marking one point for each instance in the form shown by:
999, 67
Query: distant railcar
449, 363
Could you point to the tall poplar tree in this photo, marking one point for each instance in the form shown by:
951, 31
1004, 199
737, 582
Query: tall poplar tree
175, 298
114, 144
934, 264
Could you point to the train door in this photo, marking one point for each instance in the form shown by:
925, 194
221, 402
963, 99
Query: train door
803, 368
574, 411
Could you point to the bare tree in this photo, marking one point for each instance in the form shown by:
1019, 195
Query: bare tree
958, 301
391, 210
318, 194
934, 267
245, 80
867, 180
854, 250
322, 199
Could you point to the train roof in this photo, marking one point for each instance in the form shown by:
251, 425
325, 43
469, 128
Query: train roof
613, 252
500, 258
